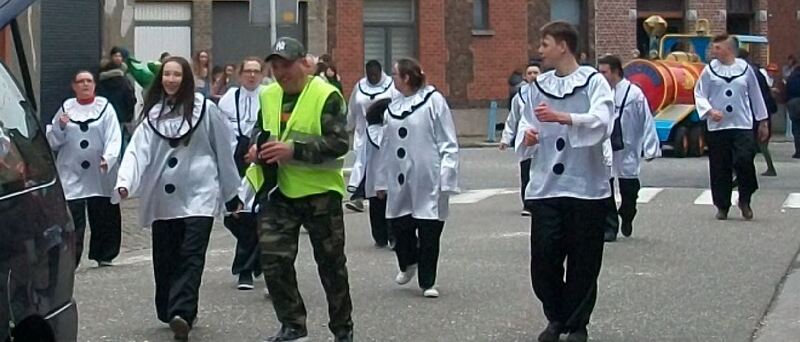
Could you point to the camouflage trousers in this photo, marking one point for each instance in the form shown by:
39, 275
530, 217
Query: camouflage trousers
278, 232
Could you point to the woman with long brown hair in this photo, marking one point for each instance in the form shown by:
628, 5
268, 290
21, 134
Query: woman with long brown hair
180, 163
201, 69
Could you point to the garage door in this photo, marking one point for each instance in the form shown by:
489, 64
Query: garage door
163, 27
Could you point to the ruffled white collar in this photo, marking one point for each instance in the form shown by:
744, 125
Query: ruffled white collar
372, 90
560, 87
247, 93
405, 105
728, 72
79, 113
171, 125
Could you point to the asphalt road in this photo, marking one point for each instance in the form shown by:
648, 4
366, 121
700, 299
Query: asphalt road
683, 276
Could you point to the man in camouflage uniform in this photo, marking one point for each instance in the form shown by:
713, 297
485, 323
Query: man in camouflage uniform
308, 138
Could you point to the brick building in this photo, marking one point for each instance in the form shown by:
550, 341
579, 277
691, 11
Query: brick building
220, 26
468, 48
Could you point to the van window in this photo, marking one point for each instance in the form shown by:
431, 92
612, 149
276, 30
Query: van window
25, 158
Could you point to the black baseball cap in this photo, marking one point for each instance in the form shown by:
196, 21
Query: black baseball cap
287, 48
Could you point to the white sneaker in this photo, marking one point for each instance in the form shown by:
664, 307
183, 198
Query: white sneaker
404, 277
431, 293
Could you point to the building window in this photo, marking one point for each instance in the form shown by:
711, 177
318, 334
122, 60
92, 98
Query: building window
480, 14
573, 12
389, 30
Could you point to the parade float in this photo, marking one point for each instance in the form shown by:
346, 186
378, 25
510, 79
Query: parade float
668, 76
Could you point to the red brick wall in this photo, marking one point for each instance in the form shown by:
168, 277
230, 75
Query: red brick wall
495, 57
708, 9
432, 46
784, 29
615, 31
348, 48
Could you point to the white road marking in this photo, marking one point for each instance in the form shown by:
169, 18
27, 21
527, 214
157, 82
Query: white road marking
706, 199
475, 196
792, 201
645, 195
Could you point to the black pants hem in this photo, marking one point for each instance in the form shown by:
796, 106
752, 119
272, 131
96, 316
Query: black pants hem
571, 230
418, 243
105, 222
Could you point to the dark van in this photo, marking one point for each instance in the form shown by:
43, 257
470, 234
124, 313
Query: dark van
37, 238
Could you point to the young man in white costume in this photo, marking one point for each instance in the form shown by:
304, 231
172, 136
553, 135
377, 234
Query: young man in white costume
511, 129
566, 121
375, 86
240, 106
728, 97
633, 138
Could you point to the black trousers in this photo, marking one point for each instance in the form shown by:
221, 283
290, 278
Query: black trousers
379, 226
612, 216
731, 150
629, 191
418, 243
524, 179
378, 223
105, 221
179, 256
248, 256
571, 229
796, 134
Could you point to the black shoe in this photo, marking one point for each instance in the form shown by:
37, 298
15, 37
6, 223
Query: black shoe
245, 281
180, 328
722, 214
551, 333
735, 183
747, 212
287, 334
346, 337
796, 156
770, 173
579, 335
626, 229
355, 205
610, 237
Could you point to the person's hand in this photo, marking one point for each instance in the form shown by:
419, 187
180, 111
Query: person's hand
503, 146
252, 154
275, 152
544, 113
63, 120
763, 132
381, 194
103, 165
531, 137
123, 193
716, 115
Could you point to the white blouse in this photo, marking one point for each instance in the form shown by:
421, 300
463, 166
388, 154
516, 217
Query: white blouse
512, 136
364, 95
249, 108
418, 154
570, 161
179, 169
92, 134
733, 90
638, 131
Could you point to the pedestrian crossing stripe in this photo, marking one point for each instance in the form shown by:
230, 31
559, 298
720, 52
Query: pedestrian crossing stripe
705, 198
475, 196
793, 201
645, 195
